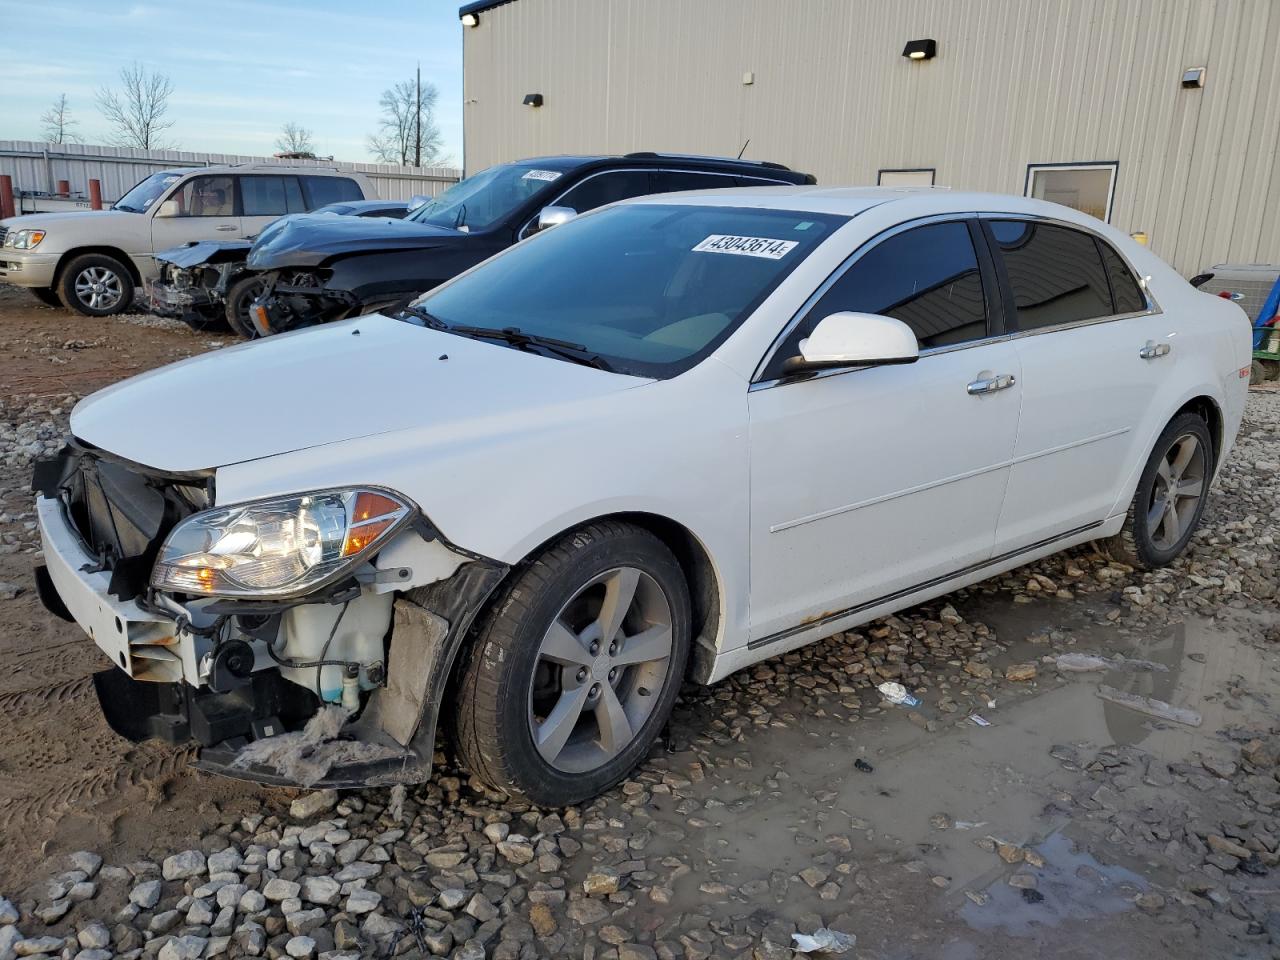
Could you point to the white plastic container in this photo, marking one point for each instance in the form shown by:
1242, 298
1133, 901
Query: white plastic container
359, 638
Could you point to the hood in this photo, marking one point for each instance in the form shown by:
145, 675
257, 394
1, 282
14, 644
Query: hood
323, 385
308, 239
44, 219
205, 251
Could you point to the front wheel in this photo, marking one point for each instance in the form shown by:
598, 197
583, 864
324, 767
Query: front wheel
577, 668
1170, 498
96, 285
240, 297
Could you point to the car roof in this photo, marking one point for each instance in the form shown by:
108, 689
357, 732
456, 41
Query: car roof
651, 159
295, 168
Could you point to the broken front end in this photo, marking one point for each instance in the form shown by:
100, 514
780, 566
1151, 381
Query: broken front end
194, 281
303, 640
295, 298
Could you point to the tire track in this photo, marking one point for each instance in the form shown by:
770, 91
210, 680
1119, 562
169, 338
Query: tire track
44, 696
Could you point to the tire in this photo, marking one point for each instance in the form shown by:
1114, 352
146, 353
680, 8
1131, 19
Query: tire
46, 296
95, 285
240, 295
1153, 534
533, 662
1257, 372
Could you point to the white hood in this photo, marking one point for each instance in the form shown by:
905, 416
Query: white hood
44, 219
344, 380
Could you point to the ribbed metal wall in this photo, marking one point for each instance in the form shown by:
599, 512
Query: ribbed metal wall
38, 167
1014, 82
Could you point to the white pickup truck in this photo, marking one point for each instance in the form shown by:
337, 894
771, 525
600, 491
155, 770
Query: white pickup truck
91, 261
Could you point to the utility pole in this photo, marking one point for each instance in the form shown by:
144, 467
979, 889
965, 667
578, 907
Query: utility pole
417, 134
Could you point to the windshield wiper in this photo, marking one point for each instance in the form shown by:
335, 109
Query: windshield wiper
566, 350
428, 319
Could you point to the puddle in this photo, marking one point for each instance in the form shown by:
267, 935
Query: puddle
1072, 885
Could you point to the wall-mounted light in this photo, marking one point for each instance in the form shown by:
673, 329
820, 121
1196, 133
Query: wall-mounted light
470, 19
1193, 77
533, 99
920, 49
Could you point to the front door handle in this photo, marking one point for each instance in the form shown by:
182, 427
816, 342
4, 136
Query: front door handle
225, 226
991, 384
1153, 350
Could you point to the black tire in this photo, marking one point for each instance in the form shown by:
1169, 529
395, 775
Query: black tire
240, 295
77, 278
1257, 372
493, 700
1136, 544
46, 296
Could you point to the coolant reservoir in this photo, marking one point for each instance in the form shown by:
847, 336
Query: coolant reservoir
359, 638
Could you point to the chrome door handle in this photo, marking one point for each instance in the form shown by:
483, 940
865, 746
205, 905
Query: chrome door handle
990, 385
225, 226
1153, 350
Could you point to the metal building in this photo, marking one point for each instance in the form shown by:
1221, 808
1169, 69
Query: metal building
1161, 116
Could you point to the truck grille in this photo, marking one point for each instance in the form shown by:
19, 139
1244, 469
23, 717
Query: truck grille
3, 232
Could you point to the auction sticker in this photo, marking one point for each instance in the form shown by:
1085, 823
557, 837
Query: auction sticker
547, 175
746, 246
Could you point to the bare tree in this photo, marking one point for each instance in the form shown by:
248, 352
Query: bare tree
58, 125
137, 112
295, 138
407, 131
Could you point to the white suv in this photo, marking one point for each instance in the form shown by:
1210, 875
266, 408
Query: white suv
91, 261
668, 438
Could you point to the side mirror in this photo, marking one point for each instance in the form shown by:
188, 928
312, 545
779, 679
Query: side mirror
1200, 279
168, 209
855, 340
417, 200
554, 216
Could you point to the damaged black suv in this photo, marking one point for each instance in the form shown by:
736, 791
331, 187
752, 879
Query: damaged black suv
308, 269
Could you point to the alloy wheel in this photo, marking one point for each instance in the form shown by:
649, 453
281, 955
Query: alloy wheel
98, 288
1175, 495
601, 666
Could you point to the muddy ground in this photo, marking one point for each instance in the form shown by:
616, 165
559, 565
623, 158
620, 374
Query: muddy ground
1067, 826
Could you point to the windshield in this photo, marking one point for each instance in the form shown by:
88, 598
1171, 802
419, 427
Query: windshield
650, 288
141, 197
481, 201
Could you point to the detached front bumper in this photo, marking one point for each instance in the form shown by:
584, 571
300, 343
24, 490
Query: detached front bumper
25, 268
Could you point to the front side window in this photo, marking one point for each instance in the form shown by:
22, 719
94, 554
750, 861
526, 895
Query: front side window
1055, 273
927, 277
650, 288
207, 197
602, 188
673, 181
322, 191
270, 196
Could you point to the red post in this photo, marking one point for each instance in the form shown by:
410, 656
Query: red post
95, 194
6, 196
64, 188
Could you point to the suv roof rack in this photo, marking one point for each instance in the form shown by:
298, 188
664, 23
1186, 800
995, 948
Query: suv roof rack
652, 155
258, 164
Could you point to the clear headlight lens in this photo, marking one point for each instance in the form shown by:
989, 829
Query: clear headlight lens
24, 239
276, 548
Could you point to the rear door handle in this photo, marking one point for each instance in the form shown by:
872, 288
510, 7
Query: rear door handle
225, 226
991, 384
1154, 350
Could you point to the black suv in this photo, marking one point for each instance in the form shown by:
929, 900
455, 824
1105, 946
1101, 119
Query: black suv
308, 269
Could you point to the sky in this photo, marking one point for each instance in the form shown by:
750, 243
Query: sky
240, 68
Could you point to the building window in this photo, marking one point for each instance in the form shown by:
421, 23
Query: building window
919, 177
1087, 187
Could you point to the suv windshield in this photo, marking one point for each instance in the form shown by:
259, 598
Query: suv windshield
480, 201
142, 196
650, 288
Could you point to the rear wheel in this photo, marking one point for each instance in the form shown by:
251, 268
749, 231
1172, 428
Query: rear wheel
95, 285
240, 297
577, 668
1170, 498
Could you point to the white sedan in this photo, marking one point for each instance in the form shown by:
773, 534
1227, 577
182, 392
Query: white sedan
668, 438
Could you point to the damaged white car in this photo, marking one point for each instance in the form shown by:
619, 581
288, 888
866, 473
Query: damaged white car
667, 439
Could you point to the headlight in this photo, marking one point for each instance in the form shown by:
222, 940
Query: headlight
277, 548
24, 239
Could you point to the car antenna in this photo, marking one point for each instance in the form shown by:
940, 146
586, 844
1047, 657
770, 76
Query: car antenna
744, 148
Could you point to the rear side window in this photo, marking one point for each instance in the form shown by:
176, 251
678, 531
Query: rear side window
927, 277
1125, 291
270, 196
606, 188
322, 191
1055, 273
673, 181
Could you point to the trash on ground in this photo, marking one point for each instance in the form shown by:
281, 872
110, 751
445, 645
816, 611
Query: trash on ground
979, 721
897, 693
1093, 663
1149, 706
862, 765
970, 824
823, 940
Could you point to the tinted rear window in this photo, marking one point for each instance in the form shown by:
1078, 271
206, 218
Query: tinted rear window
270, 196
1055, 273
1125, 291
322, 191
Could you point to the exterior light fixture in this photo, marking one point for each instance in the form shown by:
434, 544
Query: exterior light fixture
1193, 77
920, 49
533, 99
470, 19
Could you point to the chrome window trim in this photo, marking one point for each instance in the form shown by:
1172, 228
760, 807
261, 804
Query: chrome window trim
759, 384
523, 231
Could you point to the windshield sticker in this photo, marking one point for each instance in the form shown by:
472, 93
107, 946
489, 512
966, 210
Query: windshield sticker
171, 179
746, 246
547, 175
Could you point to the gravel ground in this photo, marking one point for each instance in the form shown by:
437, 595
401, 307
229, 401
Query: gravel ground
1091, 770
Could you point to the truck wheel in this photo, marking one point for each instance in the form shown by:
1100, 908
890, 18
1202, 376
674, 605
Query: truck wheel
1170, 498
240, 297
46, 296
576, 669
1257, 372
95, 285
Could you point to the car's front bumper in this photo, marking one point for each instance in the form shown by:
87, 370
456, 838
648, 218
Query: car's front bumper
27, 268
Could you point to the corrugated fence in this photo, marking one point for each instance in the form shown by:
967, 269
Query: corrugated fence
37, 167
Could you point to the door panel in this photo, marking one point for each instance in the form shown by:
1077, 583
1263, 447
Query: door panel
875, 480
206, 212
